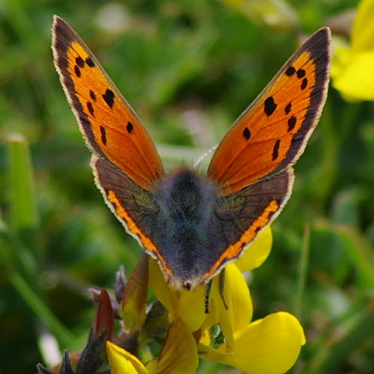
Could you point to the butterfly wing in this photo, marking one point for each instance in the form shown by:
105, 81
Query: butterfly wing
240, 216
134, 206
253, 164
273, 131
110, 127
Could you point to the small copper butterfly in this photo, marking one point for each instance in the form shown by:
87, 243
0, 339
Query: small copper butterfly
194, 224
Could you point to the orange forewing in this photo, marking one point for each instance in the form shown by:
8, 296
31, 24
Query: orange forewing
272, 133
106, 120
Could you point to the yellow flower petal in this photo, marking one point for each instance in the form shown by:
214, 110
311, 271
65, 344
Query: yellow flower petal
191, 308
179, 354
353, 68
238, 298
123, 362
268, 346
152, 366
276, 341
188, 305
363, 27
159, 286
239, 303
356, 82
205, 337
257, 252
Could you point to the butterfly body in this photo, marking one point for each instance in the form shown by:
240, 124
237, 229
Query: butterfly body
194, 224
187, 223
191, 223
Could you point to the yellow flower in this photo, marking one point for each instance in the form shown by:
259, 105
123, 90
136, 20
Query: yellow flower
353, 67
178, 355
122, 362
267, 346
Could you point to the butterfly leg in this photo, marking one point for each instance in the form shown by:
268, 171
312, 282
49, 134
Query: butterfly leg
208, 287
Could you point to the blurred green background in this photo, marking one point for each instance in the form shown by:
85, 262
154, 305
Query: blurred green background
188, 68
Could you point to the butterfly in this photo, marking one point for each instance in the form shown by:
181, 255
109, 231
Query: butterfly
194, 224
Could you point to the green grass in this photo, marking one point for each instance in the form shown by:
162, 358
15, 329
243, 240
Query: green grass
170, 60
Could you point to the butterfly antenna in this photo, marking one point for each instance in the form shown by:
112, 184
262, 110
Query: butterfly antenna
196, 164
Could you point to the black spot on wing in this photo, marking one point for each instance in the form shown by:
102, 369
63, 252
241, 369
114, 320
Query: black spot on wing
93, 96
290, 71
91, 109
103, 135
90, 62
109, 97
304, 84
270, 106
291, 123
77, 71
301, 73
79, 61
129, 127
288, 108
276, 150
246, 133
